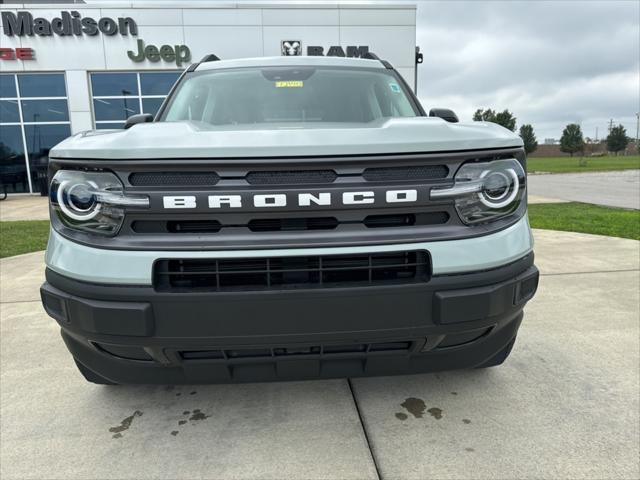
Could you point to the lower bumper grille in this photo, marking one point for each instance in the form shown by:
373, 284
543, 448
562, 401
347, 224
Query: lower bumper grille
321, 271
316, 350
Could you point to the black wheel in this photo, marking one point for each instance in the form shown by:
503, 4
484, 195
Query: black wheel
92, 376
500, 357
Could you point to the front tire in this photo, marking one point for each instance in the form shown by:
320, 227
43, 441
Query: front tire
92, 376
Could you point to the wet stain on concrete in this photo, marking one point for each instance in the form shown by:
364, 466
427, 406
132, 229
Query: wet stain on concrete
469, 449
435, 412
466, 420
174, 433
415, 406
125, 424
401, 416
198, 415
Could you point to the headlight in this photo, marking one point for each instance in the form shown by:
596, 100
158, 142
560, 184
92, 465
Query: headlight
486, 191
91, 202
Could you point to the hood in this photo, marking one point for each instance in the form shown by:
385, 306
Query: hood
200, 140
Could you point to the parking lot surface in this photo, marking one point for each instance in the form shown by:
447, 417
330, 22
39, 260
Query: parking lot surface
564, 405
612, 189
24, 207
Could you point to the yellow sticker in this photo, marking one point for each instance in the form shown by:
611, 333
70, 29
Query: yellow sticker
289, 84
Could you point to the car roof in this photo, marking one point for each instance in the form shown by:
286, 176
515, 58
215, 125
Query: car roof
284, 61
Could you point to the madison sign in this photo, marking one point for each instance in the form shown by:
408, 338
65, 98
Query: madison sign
69, 23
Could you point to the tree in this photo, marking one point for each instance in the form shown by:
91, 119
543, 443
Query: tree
487, 115
571, 141
529, 138
617, 139
505, 118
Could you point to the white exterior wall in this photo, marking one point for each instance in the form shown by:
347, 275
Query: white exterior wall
228, 30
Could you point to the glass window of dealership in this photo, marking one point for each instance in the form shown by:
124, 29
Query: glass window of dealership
34, 115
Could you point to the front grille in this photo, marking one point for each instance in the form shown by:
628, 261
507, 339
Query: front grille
261, 203
290, 224
406, 220
193, 226
173, 179
288, 177
356, 349
390, 174
291, 177
322, 271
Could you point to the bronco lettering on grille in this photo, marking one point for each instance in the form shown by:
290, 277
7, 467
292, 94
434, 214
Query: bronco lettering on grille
275, 200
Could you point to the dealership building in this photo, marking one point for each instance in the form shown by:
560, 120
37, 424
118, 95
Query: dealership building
66, 68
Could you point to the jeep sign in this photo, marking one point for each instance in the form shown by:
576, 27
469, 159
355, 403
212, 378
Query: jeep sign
177, 53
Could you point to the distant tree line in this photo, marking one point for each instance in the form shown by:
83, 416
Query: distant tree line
508, 120
571, 142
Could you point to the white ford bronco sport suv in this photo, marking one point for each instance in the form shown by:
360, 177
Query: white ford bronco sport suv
288, 218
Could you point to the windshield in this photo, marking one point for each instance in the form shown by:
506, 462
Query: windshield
284, 94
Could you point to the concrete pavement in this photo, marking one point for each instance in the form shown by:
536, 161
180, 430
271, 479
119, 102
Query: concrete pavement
565, 404
613, 189
533, 199
24, 207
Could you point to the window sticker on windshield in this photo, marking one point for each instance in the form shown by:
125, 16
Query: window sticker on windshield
289, 84
395, 88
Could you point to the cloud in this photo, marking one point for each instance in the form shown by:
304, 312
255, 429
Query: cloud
551, 63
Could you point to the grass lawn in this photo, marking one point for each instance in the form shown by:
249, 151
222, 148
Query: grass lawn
585, 218
584, 164
23, 237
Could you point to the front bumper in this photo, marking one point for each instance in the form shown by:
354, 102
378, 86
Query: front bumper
133, 334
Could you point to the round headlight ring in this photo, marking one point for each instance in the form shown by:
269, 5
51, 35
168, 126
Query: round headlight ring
72, 210
503, 187
513, 187
72, 192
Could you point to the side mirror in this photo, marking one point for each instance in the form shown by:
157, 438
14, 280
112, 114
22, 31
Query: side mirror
139, 118
443, 113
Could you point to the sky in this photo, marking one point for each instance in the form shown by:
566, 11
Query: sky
549, 62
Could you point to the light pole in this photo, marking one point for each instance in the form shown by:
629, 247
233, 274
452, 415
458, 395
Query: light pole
637, 130
418, 60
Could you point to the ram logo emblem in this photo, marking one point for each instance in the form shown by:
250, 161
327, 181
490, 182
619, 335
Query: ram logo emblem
291, 48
